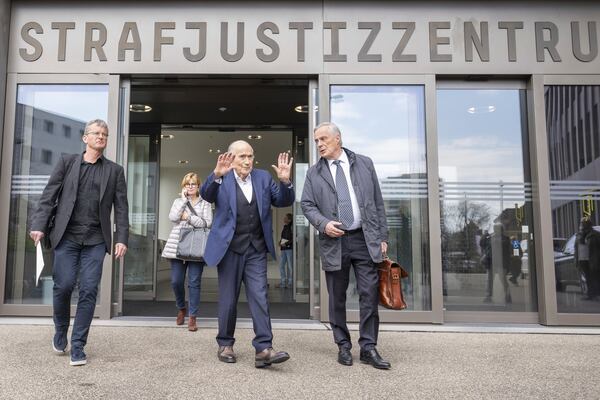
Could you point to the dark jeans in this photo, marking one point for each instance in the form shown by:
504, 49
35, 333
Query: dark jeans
356, 254
251, 268
70, 261
194, 271
287, 258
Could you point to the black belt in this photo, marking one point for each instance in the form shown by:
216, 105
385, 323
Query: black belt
357, 230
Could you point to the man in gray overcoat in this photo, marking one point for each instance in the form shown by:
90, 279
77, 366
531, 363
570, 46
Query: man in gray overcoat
343, 201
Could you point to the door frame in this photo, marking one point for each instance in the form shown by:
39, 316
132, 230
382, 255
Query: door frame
531, 317
549, 314
435, 315
122, 154
13, 80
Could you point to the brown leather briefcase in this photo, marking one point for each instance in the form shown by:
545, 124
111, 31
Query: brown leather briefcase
390, 284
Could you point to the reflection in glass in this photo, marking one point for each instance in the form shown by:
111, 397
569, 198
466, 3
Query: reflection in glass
387, 123
573, 127
38, 146
138, 274
485, 195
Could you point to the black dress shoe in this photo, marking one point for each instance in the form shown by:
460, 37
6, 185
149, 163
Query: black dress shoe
345, 356
226, 354
269, 356
372, 357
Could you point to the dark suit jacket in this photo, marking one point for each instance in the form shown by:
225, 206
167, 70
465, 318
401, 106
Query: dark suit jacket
113, 191
320, 206
224, 196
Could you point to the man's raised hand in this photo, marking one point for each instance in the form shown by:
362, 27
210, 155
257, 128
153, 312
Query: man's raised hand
284, 167
224, 164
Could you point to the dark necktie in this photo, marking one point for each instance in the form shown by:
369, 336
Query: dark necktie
343, 194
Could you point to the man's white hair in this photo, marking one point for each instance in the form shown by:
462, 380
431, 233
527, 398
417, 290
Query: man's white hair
331, 127
238, 143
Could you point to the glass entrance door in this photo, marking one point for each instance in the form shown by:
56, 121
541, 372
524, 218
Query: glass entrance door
47, 116
488, 261
139, 274
384, 118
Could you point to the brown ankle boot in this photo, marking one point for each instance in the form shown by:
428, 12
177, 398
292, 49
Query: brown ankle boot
181, 316
192, 324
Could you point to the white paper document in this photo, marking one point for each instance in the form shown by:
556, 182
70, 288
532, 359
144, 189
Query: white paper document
39, 262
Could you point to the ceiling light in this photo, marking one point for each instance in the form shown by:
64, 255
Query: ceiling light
222, 109
300, 142
167, 136
139, 108
481, 110
210, 150
183, 161
301, 109
254, 137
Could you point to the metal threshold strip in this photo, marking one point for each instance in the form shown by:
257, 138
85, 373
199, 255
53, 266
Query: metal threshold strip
305, 324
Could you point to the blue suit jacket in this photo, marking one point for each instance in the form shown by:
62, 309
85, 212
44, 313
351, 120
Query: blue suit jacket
224, 196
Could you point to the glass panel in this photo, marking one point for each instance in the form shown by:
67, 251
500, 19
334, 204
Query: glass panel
485, 195
387, 123
301, 248
138, 274
49, 121
573, 126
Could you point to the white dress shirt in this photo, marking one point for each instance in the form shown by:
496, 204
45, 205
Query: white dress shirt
345, 165
245, 185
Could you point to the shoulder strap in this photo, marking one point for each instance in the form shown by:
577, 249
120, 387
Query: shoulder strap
191, 208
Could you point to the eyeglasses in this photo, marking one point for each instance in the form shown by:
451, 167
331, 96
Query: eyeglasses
191, 184
94, 133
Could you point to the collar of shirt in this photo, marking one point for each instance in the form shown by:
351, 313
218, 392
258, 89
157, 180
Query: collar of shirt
343, 158
242, 181
100, 159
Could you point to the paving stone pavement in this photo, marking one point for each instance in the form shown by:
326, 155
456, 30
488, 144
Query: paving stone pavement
172, 363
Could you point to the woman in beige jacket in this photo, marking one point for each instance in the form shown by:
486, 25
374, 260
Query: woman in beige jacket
180, 215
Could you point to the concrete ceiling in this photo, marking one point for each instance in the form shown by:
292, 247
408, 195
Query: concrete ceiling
249, 101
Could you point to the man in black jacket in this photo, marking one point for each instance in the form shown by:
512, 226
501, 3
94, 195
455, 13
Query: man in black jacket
84, 188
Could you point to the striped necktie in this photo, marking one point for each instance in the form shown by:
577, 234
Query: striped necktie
343, 194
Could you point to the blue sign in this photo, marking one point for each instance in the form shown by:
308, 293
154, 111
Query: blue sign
515, 244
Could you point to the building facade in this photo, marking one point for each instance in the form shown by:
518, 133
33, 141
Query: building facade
482, 119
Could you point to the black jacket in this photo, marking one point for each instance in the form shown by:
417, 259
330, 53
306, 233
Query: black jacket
286, 233
113, 191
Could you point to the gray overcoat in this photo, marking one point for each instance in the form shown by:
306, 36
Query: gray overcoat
320, 206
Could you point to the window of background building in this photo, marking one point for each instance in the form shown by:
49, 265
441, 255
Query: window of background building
67, 131
572, 123
485, 201
47, 156
49, 126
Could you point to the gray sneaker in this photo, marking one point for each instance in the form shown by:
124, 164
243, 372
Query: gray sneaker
78, 357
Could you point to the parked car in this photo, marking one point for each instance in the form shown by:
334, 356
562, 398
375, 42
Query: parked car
565, 267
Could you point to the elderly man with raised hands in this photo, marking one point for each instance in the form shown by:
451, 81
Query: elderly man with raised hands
240, 238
